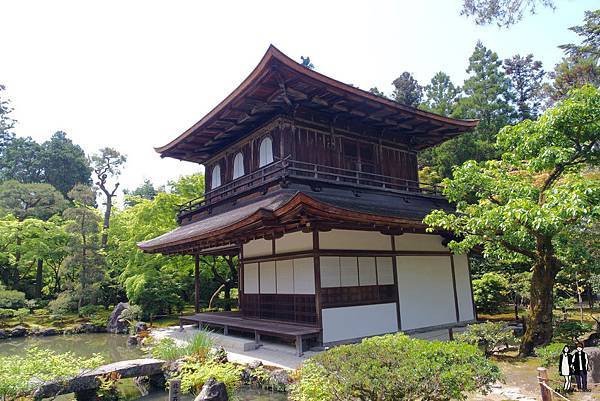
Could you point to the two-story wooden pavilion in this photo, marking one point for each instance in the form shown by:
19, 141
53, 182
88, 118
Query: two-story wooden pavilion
314, 184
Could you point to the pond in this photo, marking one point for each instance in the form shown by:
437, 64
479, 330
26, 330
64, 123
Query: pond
113, 348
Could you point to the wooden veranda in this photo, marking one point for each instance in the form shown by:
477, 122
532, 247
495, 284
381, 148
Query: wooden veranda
236, 322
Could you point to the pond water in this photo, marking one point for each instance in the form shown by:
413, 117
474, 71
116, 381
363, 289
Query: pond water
113, 348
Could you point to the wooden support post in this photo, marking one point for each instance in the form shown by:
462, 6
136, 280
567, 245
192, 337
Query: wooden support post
299, 346
542, 376
174, 389
197, 284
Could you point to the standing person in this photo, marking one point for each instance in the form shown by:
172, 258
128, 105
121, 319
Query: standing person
581, 365
565, 364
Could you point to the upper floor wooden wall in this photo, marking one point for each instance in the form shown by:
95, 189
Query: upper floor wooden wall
307, 139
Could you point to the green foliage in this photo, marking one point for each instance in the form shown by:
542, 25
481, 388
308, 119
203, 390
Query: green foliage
6, 313
489, 335
19, 374
490, 291
193, 375
395, 367
441, 95
11, 299
30, 200
89, 310
525, 207
64, 303
571, 330
198, 347
502, 12
21, 314
526, 76
549, 354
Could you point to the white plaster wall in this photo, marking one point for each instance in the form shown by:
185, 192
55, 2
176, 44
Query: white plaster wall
258, 247
385, 271
251, 278
285, 277
426, 292
463, 287
356, 240
294, 242
358, 321
419, 242
348, 271
304, 276
367, 272
268, 280
330, 271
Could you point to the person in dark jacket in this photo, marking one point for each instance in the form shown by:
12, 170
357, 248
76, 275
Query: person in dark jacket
565, 367
581, 365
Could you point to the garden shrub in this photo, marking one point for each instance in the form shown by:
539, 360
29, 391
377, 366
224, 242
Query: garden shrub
64, 303
488, 335
395, 367
89, 310
6, 313
549, 354
193, 375
490, 291
21, 314
198, 348
12, 299
570, 330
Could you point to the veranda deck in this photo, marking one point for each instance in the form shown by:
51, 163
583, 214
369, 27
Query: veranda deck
235, 321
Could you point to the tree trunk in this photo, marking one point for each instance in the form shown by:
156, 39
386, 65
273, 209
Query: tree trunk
39, 279
227, 296
106, 221
539, 319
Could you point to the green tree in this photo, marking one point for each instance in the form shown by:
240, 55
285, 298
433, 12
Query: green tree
107, 164
503, 12
6, 121
21, 160
30, 200
581, 64
526, 76
84, 260
144, 191
64, 163
407, 90
441, 95
524, 206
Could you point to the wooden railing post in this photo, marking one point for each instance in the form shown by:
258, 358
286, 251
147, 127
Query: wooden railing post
542, 376
174, 389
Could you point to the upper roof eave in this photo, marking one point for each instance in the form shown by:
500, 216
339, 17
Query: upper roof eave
275, 54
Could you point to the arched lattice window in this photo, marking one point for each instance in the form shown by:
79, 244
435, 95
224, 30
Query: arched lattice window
216, 177
266, 152
238, 165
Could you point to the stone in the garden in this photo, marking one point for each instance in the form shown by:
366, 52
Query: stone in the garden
132, 340
3, 335
255, 364
140, 326
594, 355
47, 332
115, 324
18, 331
213, 391
279, 380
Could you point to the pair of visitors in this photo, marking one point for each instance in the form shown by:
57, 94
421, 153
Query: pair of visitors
575, 364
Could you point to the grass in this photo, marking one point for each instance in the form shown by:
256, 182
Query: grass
197, 347
48, 321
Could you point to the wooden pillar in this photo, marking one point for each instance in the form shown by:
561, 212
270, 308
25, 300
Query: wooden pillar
197, 283
542, 376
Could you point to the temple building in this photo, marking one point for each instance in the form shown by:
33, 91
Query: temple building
314, 184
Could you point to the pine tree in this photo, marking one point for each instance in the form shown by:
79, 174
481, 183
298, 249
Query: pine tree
526, 76
441, 96
407, 90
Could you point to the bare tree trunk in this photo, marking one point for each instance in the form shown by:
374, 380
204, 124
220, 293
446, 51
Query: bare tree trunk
39, 279
106, 224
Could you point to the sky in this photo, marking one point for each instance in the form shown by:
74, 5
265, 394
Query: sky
133, 75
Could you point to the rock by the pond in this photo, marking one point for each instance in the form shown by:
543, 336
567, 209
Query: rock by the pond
213, 391
140, 326
115, 324
3, 335
279, 380
18, 331
218, 354
132, 340
255, 364
47, 332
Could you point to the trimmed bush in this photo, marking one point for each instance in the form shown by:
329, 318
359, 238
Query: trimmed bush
490, 292
395, 367
549, 354
489, 335
12, 299
193, 375
570, 331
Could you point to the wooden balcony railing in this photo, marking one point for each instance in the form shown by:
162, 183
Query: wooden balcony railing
287, 168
